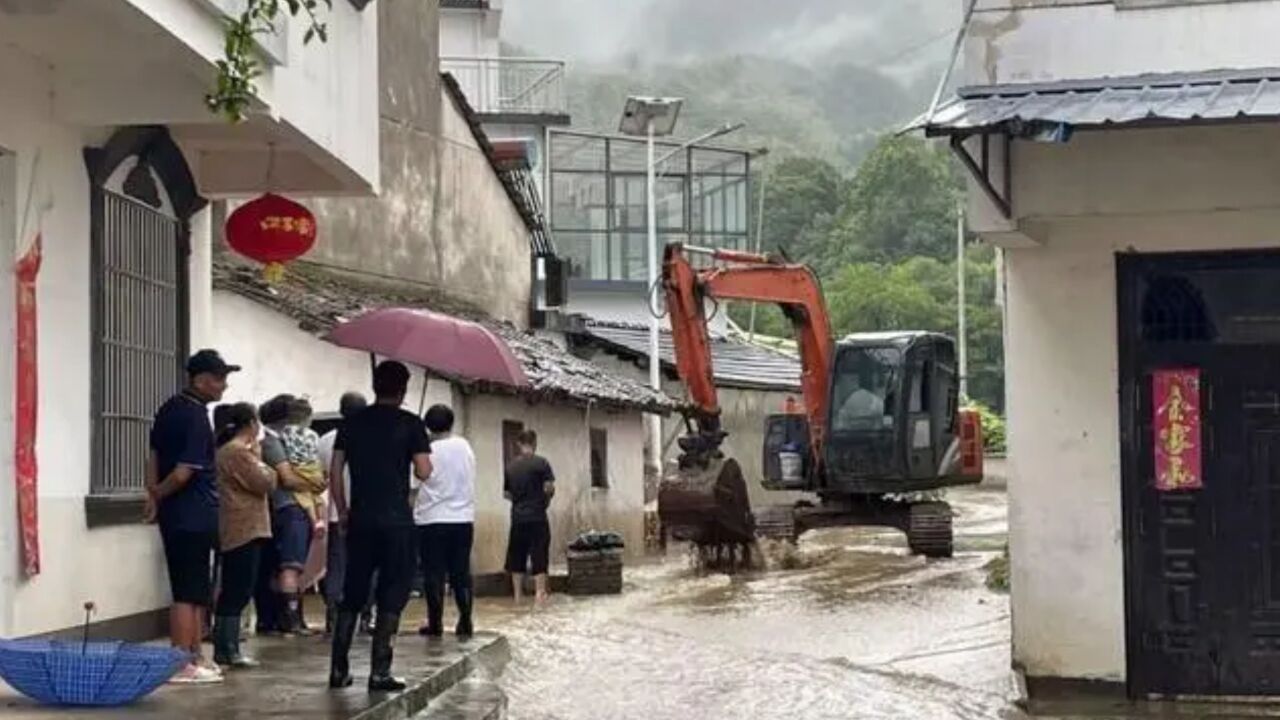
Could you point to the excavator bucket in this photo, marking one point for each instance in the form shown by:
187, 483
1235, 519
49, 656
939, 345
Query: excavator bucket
707, 506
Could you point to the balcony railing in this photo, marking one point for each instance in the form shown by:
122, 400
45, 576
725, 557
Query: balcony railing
515, 86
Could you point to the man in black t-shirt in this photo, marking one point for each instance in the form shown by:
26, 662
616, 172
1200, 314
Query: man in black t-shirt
529, 485
377, 445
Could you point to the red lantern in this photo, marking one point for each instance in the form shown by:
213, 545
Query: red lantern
272, 230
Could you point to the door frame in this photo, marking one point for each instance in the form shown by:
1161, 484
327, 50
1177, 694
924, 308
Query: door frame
1129, 268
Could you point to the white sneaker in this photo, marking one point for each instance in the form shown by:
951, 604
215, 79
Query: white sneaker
193, 674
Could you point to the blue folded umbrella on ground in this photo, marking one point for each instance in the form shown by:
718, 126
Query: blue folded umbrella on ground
96, 673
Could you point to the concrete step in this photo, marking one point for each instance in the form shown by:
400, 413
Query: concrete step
475, 698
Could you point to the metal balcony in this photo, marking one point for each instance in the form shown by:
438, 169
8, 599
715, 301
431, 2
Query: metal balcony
511, 86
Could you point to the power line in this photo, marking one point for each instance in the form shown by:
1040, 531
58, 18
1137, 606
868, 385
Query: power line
911, 49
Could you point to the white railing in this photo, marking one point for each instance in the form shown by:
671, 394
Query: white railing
518, 86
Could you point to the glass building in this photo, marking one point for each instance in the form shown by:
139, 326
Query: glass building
596, 196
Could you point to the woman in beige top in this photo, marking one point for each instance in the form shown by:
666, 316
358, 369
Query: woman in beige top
244, 525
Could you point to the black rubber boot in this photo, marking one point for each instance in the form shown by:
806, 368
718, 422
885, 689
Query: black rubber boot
463, 629
380, 677
344, 631
291, 615
434, 593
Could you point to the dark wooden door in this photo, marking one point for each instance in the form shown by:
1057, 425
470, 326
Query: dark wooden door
1203, 565
1247, 435
1177, 554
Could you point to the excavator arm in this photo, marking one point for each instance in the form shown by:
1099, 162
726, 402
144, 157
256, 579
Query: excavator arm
744, 276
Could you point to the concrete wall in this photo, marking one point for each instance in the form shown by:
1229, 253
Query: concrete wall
78, 564
299, 87
743, 413
470, 33
278, 357
1100, 194
563, 438
303, 85
1039, 40
443, 217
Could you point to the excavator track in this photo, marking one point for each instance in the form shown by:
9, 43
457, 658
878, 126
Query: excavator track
929, 531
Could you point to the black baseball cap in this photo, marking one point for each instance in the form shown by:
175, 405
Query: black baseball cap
209, 361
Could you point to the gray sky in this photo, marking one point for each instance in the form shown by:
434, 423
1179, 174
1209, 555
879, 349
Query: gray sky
893, 34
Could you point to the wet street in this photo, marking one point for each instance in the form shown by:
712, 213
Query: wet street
847, 625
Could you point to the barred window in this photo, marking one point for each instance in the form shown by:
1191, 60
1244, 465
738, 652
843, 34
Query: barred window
139, 280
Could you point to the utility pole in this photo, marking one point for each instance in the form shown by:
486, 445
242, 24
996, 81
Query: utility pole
962, 339
655, 359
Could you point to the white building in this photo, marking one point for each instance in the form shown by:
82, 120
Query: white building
1124, 155
455, 230
110, 155
517, 98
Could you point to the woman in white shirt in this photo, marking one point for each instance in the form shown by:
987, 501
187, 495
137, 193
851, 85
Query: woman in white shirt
445, 514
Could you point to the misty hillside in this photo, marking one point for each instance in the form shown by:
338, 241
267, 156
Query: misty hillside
836, 112
820, 78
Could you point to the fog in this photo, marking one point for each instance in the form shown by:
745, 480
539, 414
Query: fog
893, 35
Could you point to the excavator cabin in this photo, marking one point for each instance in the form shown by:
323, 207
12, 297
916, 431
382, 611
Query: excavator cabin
893, 422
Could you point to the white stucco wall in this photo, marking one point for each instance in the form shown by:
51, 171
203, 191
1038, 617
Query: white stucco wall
743, 412
279, 357
563, 438
119, 568
1100, 194
471, 33
1040, 40
301, 89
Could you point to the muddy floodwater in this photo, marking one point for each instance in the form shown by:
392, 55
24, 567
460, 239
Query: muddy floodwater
846, 625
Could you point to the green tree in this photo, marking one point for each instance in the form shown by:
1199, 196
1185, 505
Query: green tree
901, 203
802, 195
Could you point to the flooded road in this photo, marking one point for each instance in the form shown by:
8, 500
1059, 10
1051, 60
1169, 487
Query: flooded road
857, 628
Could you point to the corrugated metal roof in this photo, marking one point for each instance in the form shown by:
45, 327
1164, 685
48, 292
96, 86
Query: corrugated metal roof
1174, 98
736, 363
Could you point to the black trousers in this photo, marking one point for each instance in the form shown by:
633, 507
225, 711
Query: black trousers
445, 550
265, 600
388, 551
239, 577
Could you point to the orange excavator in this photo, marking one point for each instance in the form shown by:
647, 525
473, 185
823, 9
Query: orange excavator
879, 427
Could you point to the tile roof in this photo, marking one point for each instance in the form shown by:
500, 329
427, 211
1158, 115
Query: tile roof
736, 363
320, 297
1152, 99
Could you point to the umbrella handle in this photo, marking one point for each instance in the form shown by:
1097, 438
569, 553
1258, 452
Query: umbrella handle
89, 607
422, 399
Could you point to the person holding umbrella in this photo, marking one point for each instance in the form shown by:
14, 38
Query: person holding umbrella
379, 444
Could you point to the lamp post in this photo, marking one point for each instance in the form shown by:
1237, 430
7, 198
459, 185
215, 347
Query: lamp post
652, 117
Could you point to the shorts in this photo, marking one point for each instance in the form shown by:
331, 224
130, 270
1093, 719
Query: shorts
529, 548
291, 528
189, 557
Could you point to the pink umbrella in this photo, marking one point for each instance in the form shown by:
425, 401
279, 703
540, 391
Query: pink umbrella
441, 343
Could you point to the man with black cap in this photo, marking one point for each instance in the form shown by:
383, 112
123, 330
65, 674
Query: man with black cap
378, 444
182, 493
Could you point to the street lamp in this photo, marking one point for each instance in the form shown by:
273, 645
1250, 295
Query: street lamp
652, 117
